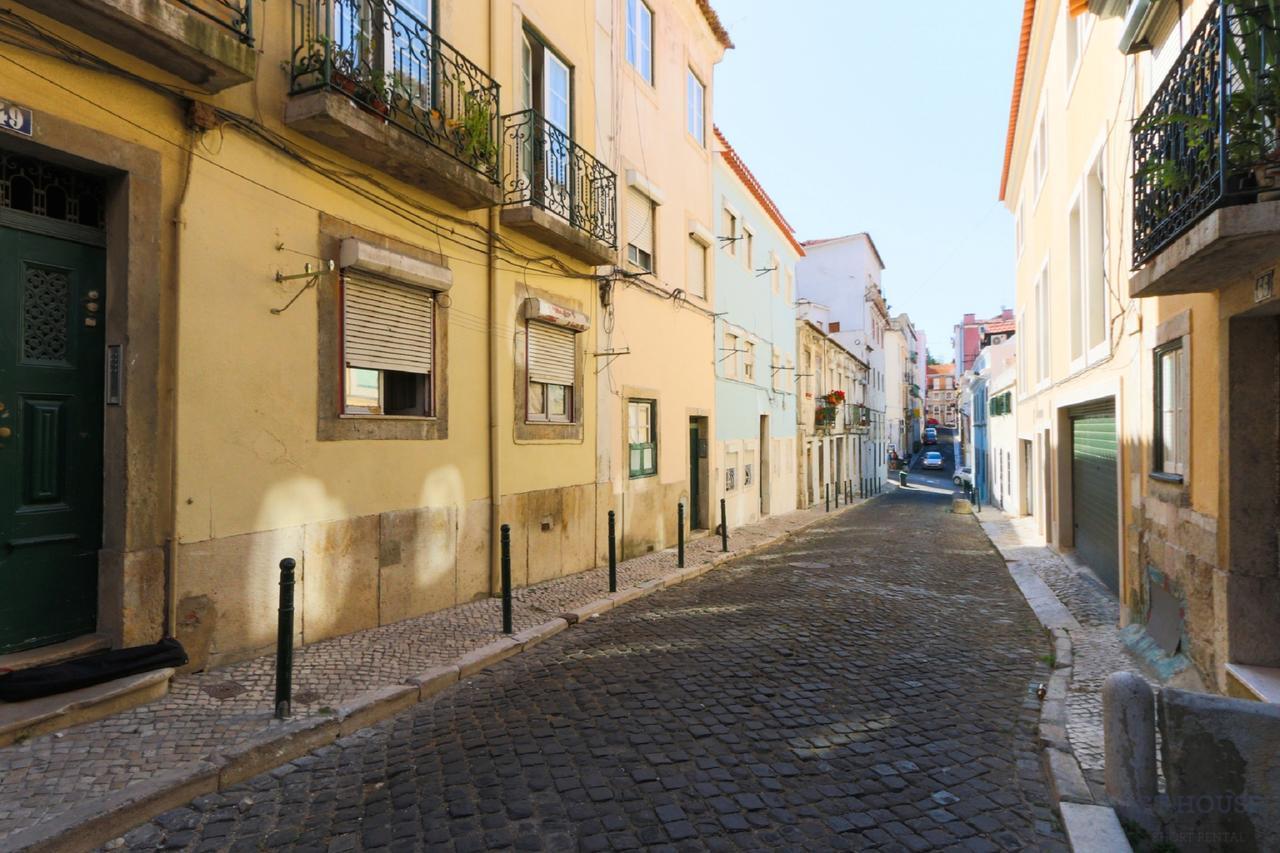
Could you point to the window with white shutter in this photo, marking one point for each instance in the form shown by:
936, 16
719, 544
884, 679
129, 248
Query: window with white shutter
552, 367
388, 346
697, 274
640, 239
642, 438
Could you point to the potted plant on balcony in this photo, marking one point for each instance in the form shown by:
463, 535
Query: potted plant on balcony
474, 132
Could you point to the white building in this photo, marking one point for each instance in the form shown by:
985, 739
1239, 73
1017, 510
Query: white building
843, 274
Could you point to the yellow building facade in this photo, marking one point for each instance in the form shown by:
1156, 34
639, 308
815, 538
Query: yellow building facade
1128, 354
347, 275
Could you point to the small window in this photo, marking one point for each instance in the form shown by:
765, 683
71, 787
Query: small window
1040, 155
388, 347
552, 360
730, 236
642, 437
730, 355
747, 477
640, 38
749, 361
730, 472
749, 253
1170, 444
697, 119
696, 277
791, 286
640, 216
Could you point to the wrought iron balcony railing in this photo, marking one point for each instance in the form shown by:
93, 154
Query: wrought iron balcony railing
235, 15
386, 59
824, 416
1208, 138
542, 166
856, 417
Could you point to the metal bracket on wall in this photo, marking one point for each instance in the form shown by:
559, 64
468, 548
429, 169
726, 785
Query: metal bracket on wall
610, 354
312, 276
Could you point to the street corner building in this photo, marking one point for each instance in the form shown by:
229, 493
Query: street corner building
1148, 345
755, 354
366, 279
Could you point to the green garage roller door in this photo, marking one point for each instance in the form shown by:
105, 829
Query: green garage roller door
1093, 490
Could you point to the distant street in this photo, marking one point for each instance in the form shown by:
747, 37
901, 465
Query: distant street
869, 684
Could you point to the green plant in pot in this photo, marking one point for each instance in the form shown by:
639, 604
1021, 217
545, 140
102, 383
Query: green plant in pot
1253, 107
475, 131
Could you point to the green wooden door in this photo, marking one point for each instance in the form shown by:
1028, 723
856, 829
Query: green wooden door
51, 379
1094, 505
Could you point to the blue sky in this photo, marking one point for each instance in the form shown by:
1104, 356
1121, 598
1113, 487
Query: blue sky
890, 118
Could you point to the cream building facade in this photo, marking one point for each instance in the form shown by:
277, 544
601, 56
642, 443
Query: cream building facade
833, 418
349, 277
1147, 328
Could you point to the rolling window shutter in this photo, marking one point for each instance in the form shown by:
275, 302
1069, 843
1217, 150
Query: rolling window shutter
388, 326
640, 221
552, 354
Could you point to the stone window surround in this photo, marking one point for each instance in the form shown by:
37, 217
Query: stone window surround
547, 432
1173, 488
331, 424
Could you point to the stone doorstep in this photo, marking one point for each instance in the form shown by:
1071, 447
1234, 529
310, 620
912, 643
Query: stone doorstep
98, 821
44, 655
1093, 829
21, 720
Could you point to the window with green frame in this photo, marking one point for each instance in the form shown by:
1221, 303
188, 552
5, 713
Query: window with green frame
642, 437
1169, 444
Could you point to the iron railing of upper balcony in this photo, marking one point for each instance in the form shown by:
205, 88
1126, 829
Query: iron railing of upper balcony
235, 15
856, 417
384, 57
1209, 138
824, 415
543, 166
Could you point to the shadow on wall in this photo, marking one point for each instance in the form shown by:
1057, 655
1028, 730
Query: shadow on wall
365, 571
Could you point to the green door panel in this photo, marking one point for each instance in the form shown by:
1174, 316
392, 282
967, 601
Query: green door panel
1094, 503
51, 374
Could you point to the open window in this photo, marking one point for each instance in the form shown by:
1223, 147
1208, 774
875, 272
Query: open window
388, 347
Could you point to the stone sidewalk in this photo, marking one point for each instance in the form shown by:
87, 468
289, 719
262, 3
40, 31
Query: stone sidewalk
1091, 618
209, 720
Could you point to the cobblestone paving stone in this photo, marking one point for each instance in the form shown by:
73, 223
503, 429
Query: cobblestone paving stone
848, 689
1097, 647
46, 776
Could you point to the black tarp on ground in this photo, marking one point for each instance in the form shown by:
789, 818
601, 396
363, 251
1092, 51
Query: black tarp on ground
87, 671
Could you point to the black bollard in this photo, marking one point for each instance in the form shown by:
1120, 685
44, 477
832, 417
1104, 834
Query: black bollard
613, 554
826, 495
506, 578
837, 491
724, 528
680, 535
284, 641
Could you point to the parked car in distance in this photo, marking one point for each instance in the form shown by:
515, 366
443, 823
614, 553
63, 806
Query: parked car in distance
930, 436
963, 475
932, 459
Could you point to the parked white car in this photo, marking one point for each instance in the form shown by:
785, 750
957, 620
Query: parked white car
963, 475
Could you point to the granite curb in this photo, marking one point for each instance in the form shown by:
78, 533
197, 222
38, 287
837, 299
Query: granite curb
97, 822
1090, 825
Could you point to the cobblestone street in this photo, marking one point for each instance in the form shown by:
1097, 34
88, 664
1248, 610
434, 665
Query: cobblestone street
862, 685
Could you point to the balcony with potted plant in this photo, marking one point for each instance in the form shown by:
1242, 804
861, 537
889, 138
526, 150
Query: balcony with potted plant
370, 79
207, 43
1206, 151
556, 191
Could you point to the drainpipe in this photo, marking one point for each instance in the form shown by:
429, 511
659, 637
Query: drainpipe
171, 540
495, 450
